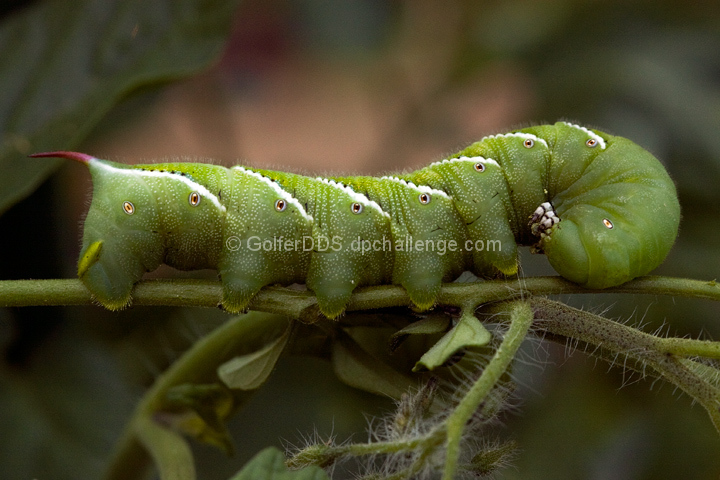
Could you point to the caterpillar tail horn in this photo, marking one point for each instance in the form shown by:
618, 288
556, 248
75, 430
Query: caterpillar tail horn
76, 156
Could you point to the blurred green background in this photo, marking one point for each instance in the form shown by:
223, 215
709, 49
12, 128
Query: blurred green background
353, 86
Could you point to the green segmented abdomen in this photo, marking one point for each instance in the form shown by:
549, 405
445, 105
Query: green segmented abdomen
258, 209
418, 216
603, 210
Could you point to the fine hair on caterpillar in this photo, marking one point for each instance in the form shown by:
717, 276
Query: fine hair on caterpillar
601, 208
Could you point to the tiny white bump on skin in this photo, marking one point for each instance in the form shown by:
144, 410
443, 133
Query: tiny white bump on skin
419, 188
204, 192
467, 159
526, 136
278, 189
357, 197
593, 135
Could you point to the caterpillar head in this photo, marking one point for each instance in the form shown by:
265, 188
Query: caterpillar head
611, 242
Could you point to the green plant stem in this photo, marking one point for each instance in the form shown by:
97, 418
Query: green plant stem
358, 449
660, 354
316, 453
144, 436
302, 304
687, 347
521, 318
197, 365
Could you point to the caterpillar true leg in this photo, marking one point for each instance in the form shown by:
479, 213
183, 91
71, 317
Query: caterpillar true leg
543, 219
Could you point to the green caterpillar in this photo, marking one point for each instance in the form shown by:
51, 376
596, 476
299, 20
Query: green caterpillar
601, 208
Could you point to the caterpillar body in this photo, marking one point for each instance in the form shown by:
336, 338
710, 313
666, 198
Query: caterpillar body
600, 207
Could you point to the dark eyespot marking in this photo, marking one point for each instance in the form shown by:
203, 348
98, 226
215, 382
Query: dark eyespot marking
529, 143
424, 198
280, 205
356, 208
479, 167
591, 142
128, 208
608, 224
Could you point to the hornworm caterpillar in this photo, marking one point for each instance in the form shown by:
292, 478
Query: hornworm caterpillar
601, 208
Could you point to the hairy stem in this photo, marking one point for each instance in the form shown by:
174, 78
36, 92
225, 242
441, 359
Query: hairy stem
521, 318
302, 305
687, 347
144, 438
321, 454
661, 354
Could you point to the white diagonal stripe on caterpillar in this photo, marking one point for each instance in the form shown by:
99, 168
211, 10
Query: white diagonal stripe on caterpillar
358, 197
593, 135
281, 193
466, 159
419, 188
204, 192
526, 136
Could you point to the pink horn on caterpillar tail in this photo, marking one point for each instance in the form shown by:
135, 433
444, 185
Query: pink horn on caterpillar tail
77, 156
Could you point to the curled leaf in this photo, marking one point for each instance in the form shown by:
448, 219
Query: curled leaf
425, 326
357, 368
248, 372
468, 332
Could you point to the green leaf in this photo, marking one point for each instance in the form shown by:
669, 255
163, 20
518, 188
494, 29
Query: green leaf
269, 464
468, 332
210, 405
248, 372
434, 323
64, 65
357, 368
